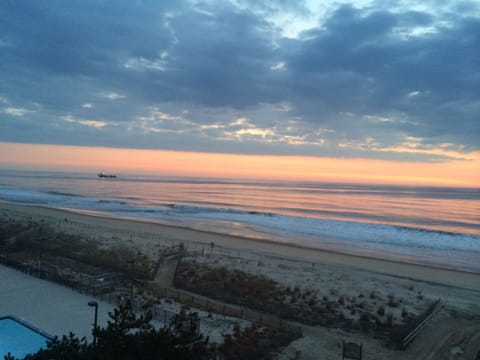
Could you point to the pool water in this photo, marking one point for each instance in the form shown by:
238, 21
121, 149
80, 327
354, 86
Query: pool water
19, 339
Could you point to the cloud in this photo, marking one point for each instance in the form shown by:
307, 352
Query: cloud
331, 79
360, 65
158, 64
16, 111
98, 124
112, 95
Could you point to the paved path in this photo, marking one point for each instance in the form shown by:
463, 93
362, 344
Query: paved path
51, 307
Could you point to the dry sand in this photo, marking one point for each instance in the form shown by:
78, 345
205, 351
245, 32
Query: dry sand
147, 236
309, 268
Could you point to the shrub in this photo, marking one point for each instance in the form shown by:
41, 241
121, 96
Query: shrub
389, 320
252, 343
364, 317
381, 310
391, 302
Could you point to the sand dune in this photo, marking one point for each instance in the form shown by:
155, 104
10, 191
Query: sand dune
322, 271
146, 236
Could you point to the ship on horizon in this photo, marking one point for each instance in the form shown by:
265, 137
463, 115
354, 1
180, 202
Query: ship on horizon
106, 175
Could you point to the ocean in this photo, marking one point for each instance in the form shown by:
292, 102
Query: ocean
435, 226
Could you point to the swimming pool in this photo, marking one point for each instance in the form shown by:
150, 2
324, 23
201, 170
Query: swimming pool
20, 338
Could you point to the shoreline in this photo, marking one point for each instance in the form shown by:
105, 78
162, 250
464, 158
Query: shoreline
259, 246
272, 239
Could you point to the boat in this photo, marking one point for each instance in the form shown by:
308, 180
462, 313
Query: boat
105, 175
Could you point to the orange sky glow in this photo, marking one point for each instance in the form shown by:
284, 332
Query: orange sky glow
300, 168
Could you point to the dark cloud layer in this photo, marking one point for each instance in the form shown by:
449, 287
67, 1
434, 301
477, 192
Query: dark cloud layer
180, 75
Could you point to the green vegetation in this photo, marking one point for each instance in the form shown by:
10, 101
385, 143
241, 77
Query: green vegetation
125, 337
295, 303
36, 240
255, 343
259, 293
25, 244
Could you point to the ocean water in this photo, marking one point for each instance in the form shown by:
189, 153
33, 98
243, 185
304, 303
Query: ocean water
429, 225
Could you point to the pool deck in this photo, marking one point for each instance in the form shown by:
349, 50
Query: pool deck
52, 308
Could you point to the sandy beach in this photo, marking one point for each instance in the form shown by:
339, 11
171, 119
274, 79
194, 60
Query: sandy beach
326, 273
281, 180
146, 236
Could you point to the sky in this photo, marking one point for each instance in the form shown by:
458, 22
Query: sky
390, 83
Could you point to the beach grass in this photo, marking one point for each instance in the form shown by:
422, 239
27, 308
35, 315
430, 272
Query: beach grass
304, 285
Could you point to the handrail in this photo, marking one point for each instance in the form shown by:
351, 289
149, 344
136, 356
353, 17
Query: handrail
415, 329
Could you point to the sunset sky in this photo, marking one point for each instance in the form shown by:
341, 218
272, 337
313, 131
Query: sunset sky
368, 91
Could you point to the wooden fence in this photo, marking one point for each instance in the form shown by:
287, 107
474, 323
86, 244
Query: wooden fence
166, 317
219, 307
405, 334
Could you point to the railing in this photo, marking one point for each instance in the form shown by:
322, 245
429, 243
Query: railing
159, 314
219, 307
405, 335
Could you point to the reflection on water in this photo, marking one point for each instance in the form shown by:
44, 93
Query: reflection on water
431, 225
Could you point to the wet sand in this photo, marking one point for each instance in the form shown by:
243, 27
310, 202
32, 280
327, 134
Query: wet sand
292, 265
146, 236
